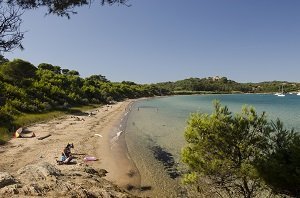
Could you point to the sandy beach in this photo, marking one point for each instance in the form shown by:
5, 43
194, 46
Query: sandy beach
99, 135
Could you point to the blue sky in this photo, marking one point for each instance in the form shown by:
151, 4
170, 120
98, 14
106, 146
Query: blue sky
168, 40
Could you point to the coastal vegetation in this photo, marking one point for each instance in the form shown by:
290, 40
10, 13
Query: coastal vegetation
30, 91
35, 92
223, 85
241, 155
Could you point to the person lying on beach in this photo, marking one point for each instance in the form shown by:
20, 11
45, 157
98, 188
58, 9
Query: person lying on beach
21, 133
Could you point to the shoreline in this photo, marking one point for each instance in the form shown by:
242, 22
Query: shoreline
121, 168
91, 136
157, 166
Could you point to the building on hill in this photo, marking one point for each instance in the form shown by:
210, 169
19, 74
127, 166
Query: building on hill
214, 78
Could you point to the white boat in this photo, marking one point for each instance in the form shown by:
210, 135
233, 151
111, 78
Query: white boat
277, 93
298, 94
281, 94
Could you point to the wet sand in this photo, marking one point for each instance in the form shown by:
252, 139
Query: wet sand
97, 135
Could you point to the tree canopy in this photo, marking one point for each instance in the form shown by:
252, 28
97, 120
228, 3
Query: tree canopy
232, 153
279, 167
224, 85
17, 71
62, 7
10, 22
25, 88
11, 16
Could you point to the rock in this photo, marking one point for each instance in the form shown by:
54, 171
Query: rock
6, 179
100, 172
32, 190
41, 171
44, 179
11, 189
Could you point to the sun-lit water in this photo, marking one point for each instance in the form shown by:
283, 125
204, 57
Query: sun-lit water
155, 129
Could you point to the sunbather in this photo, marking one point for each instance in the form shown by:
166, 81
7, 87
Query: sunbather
66, 155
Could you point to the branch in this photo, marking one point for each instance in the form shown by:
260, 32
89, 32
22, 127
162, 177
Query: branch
10, 34
62, 8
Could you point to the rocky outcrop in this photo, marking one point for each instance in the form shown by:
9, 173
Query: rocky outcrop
46, 180
6, 179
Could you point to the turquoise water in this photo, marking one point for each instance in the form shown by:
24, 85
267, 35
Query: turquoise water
155, 129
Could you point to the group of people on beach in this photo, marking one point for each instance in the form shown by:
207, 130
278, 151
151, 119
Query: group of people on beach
66, 155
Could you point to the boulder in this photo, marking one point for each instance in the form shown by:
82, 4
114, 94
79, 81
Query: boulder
38, 172
44, 179
10, 190
99, 172
6, 179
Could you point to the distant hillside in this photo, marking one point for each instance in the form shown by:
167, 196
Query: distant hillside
224, 85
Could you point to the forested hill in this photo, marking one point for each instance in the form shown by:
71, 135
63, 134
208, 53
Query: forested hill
25, 88
224, 85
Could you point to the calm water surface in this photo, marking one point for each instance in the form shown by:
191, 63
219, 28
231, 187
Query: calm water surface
155, 129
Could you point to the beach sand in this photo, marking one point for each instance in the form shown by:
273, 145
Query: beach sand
97, 135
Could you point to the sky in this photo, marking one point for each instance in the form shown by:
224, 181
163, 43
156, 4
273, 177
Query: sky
167, 40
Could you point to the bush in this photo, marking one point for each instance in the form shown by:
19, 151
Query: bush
9, 109
85, 101
95, 101
4, 118
241, 153
4, 135
46, 106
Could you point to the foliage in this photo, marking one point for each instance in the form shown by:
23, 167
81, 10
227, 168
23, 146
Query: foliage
224, 85
10, 33
232, 151
3, 59
17, 71
11, 12
279, 167
27, 89
47, 66
62, 7
98, 78
205, 84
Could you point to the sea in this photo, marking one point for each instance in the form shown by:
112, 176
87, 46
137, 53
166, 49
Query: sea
155, 132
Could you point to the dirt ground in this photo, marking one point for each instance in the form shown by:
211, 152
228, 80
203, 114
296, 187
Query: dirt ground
91, 136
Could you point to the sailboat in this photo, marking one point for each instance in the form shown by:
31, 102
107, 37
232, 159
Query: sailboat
281, 94
277, 93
